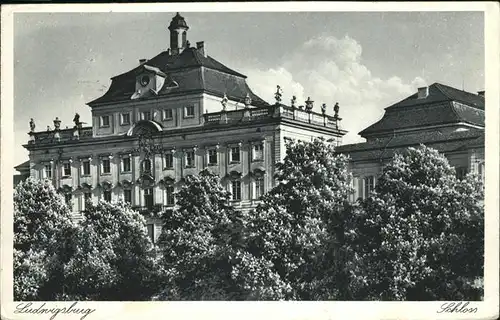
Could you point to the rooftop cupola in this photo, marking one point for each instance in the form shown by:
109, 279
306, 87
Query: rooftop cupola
178, 34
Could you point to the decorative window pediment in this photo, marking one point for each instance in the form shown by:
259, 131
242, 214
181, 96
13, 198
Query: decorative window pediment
126, 184
66, 189
106, 185
259, 172
168, 180
144, 128
233, 175
146, 181
85, 187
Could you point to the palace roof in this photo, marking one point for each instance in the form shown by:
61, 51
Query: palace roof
385, 148
192, 71
442, 105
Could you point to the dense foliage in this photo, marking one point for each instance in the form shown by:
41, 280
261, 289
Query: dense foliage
113, 257
107, 255
196, 241
298, 228
42, 222
419, 236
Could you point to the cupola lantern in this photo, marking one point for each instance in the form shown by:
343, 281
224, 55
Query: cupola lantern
178, 34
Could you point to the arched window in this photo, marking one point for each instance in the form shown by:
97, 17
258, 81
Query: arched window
184, 36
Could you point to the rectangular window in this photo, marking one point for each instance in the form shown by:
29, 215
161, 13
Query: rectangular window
104, 121
126, 164
146, 165
148, 198
258, 152
369, 185
259, 188
189, 159
169, 160
461, 172
86, 167
212, 156
106, 167
189, 112
480, 170
67, 169
87, 198
125, 118
151, 232
107, 196
235, 154
67, 199
167, 114
170, 195
48, 171
146, 115
127, 195
236, 190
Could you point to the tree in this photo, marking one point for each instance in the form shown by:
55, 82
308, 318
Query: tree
113, 258
298, 229
42, 223
419, 236
196, 241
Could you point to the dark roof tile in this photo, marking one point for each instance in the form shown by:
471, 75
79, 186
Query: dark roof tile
443, 105
387, 147
192, 71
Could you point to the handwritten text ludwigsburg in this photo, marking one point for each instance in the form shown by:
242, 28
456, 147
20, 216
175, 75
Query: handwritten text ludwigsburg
27, 307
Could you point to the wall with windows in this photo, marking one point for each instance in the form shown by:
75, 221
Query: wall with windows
172, 112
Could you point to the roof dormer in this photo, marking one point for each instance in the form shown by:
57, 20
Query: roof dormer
149, 81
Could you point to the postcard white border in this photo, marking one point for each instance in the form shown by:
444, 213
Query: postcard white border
488, 309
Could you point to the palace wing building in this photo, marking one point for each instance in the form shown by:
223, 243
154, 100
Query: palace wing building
170, 117
441, 117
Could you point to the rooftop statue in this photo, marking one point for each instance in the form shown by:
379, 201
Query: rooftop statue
323, 108
224, 102
309, 104
32, 125
248, 101
57, 123
76, 119
278, 94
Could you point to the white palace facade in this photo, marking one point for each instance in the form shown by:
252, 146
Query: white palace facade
172, 116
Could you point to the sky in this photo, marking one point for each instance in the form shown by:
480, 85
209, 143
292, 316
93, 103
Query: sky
365, 61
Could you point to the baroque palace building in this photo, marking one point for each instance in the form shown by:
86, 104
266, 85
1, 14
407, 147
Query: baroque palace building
183, 111
170, 117
441, 117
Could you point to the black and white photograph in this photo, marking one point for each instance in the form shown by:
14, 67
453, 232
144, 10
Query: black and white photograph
221, 155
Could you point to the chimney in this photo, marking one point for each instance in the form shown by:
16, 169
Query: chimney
480, 93
142, 61
200, 45
423, 92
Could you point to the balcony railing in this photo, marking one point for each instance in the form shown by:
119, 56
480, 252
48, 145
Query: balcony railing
53, 136
275, 111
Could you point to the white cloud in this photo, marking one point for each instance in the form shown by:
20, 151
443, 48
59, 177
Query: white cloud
330, 70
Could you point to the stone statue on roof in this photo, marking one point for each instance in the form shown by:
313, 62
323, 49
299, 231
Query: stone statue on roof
309, 104
248, 101
336, 109
278, 94
224, 102
76, 120
293, 102
323, 108
32, 125
57, 123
